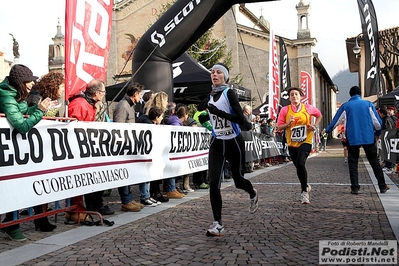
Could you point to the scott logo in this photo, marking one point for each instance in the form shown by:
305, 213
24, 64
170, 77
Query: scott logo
372, 71
177, 71
159, 38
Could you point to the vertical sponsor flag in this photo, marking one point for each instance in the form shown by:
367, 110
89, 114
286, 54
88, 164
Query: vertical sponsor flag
285, 77
306, 87
87, 42
368, 19
274, 87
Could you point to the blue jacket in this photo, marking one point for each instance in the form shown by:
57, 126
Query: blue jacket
360, 119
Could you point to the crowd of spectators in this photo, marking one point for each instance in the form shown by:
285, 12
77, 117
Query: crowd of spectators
135, 107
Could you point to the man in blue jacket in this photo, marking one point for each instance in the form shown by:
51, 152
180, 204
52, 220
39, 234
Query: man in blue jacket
363, 127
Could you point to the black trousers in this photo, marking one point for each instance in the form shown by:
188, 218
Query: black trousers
94, 200
232, 150
371, 155
200, 177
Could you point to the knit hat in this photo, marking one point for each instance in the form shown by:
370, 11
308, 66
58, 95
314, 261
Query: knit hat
20, 74
190, 121
354, 90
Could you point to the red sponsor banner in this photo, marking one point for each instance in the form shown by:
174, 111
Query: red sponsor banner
87, 41
306, 87
274, 78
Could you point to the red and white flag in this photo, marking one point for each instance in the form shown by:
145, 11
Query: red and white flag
306, 87
274, 78
87, 41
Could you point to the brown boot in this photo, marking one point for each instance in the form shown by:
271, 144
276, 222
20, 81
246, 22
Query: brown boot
130, 207
174, 195
138, 204
75, 216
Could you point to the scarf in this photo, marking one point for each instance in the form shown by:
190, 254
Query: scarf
89, 99
218, 89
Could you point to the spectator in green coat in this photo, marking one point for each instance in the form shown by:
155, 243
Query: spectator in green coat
14, 90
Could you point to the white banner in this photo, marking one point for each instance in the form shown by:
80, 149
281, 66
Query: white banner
57, 160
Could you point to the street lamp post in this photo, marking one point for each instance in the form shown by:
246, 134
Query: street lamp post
356, 50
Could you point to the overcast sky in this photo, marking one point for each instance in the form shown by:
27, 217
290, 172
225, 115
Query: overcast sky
331, 23
34, 24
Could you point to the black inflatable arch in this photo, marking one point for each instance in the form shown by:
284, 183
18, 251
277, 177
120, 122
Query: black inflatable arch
171, 35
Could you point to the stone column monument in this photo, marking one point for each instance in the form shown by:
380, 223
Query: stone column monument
15, 49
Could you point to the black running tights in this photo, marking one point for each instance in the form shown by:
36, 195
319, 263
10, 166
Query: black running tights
298, 157
233, 151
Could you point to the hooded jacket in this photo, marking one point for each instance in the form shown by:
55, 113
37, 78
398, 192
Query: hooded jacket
14, 110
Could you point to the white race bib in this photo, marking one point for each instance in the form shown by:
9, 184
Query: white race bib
222, 126
298, 133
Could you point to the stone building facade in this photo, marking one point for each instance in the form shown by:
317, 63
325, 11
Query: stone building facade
5, 66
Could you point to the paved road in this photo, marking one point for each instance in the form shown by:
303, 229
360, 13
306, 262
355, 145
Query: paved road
282, 232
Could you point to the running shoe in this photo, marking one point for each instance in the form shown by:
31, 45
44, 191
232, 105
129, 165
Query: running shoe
215, 229
384, 189
148, 203
254, 203
155, 201
204, 186
305, 197
160, 197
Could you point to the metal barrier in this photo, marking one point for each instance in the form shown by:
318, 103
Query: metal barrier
55, 118
68, 206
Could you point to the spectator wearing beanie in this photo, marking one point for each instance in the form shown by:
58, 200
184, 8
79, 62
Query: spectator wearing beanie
14, 90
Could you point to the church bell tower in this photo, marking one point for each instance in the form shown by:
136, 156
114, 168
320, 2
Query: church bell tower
303, 9
56, 52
